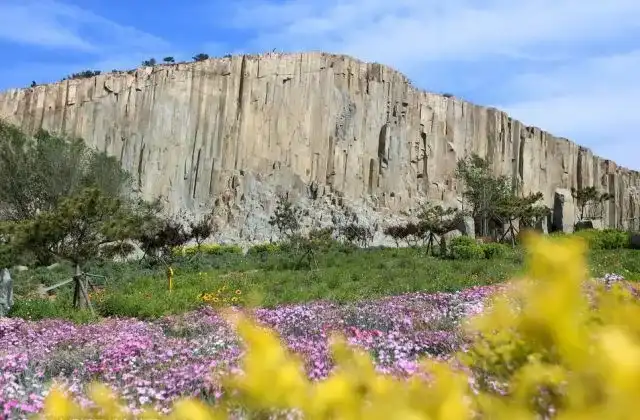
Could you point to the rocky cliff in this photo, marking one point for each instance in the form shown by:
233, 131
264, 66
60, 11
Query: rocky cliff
228, 133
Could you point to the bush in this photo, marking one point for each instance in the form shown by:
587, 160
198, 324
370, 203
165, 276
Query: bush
266, 248
605, 239
466, 248
206, 249
85, 74
494, 250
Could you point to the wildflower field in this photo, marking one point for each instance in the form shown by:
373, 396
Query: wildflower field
183, 345
156, 361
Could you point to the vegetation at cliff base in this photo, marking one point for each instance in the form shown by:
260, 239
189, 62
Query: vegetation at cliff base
343, 274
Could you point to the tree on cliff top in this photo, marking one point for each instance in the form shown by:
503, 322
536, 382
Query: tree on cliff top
36, 173
200, 57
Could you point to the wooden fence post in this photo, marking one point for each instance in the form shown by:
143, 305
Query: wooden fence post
81, 291
6, 292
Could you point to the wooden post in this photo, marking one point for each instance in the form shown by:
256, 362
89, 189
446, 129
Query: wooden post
79, 293
6, 292
170, 278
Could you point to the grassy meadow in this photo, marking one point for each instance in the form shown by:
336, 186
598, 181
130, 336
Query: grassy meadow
340, 274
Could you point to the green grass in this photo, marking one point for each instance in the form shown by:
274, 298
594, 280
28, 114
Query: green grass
342, 275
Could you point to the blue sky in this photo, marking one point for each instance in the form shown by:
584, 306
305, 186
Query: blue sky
570, 67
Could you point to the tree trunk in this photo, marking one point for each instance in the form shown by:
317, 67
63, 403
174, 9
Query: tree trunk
80, 298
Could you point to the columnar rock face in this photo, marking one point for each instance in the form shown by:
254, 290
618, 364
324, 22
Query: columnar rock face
228, 133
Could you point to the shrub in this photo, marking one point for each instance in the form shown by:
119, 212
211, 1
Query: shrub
494, 250
266, 248
605, 239
410, 233
85, 74
466, 248
357, 235
286, 217
161, 236
202, 229
119, 249
207, 249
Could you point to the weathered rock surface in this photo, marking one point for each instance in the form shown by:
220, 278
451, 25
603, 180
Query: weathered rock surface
563, 211
229, 133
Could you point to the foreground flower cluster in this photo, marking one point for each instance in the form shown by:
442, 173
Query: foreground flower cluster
542, 349
153, 363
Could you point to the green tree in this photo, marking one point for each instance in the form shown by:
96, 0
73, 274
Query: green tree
160, 235
37, 172
482, 189
85, 74
286, 217
200, 57
76, 228
201, 230
307, 248
169, 60
525, 209
436, 220
589, 202
356, 234
150, 62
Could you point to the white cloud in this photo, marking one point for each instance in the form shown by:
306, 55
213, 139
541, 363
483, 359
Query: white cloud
409, 32
83, 39
567, 66
593, 101
34, 26
54, 24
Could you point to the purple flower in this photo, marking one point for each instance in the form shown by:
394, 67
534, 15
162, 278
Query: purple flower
153, 363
